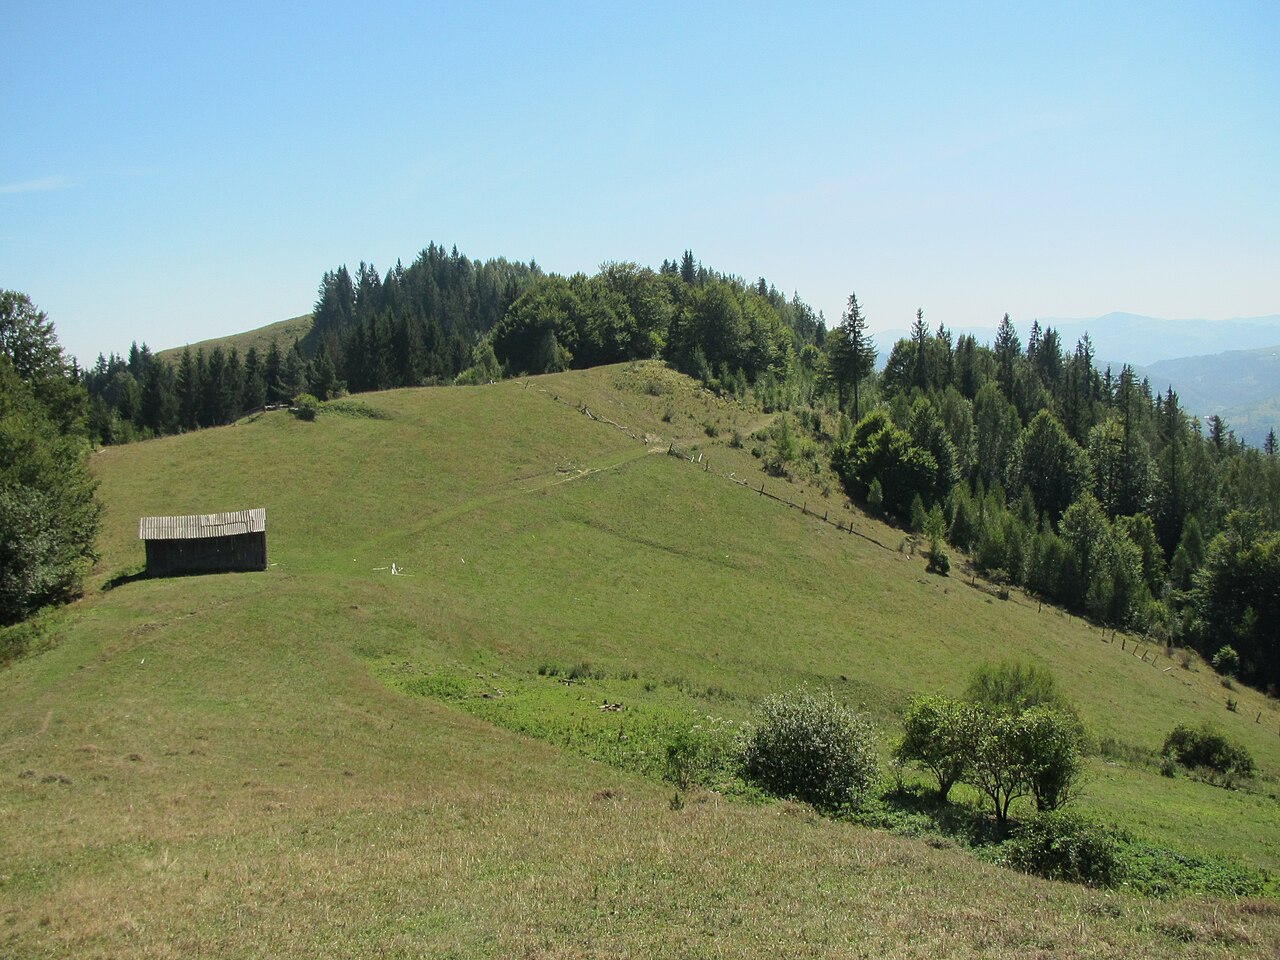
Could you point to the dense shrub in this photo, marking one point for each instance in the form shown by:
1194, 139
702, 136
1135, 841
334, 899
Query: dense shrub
939, 735
305, 406
1049, 741
1035, 753
1009, 687
699, 753
1160, 872
1226, 661
811, 748
1065, 846
1205, 747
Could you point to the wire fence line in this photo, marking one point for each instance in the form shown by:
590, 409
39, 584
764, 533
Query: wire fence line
699, 458
845, 526
586, 411
1129, 644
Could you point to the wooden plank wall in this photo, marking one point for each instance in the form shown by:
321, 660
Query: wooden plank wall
246, 551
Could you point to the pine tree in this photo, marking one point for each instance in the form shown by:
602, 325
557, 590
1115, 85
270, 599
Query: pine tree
851, 354
255, 384
293, 375
688, 268
271, 374
919, 340
211, 384
325, 384
189, 391
1008, 350
159, 412
230, 402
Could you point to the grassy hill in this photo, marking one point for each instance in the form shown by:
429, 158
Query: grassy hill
327, 758
283, 331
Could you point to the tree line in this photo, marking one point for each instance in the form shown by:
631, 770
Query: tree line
449, 319
1086, 487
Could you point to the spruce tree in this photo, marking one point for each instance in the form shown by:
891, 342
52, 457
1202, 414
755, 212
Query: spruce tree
1008, 351
920, 360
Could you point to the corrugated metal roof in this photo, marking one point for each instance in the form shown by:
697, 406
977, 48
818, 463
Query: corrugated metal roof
203, 525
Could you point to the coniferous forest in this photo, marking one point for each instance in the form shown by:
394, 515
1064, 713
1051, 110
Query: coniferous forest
1088, 488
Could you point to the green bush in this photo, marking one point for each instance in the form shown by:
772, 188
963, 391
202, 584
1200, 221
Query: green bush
1010, 687
1049, 741
1065, 846
700, 753
939, 560
939, 735
1226, 661
811, 748
875, 496
1159, 872
305, 406
1205, 747
1035, 753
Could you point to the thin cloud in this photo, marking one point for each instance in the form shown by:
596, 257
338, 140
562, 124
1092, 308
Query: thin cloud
58, 182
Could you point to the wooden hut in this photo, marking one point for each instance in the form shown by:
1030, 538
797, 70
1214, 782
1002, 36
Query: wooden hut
206, 543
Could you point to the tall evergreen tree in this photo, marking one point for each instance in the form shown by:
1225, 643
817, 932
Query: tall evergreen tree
851, 354
1008, 350
688, 268
159, 399
189, 391
919, 343
271, 374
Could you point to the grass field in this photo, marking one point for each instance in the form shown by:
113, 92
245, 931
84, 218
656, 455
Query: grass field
326, 758
283, 332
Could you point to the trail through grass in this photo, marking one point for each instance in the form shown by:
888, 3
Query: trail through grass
242, 770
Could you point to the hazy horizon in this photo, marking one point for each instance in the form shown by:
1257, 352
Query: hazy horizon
181, 175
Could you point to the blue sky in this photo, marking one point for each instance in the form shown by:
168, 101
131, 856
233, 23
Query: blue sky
174, 172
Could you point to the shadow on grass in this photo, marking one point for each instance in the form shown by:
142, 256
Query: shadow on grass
126, 577
918, 811
122, 578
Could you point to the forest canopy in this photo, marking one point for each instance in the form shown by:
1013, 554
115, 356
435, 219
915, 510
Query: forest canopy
1084, 486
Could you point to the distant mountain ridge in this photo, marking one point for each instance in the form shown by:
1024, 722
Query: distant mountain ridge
1241, 386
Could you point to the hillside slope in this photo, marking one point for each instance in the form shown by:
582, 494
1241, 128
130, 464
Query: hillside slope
1241, 386
284, 332
217, 762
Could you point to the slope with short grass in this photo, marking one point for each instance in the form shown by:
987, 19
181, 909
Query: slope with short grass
286, 763
283, 332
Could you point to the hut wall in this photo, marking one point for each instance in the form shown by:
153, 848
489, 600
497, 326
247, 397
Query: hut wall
246, 551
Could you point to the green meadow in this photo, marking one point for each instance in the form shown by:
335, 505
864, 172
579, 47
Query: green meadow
284, 332
465, 758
